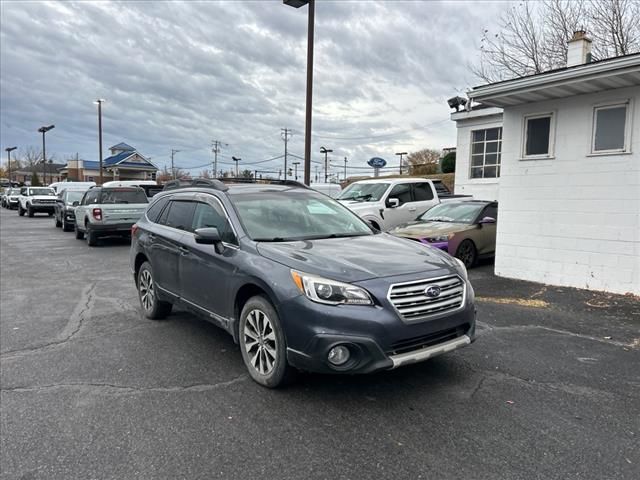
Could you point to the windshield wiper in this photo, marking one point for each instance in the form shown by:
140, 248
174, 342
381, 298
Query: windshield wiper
274, 239
336, 235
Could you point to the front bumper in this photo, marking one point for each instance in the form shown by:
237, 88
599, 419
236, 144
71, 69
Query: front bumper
376, 337
43, 207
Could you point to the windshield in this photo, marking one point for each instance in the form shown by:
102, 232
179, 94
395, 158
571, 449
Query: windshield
42, 191
463, 212
364, 192
74, 195
123, 195
278, 216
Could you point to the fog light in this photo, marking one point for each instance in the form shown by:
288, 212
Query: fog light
339, 355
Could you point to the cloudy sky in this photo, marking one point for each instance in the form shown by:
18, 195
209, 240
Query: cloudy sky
179, 75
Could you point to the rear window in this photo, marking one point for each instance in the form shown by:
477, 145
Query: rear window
123, 195
440, 187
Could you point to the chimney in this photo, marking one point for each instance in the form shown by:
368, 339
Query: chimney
579, 49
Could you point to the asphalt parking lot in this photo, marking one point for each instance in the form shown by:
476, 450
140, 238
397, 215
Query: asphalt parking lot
90, 389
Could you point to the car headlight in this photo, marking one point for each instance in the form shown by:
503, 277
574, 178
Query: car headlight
462, 270
441, 238
323, 290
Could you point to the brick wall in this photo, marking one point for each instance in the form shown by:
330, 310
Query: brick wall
573, 220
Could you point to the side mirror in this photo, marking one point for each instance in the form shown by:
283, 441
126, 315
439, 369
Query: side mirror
393, 203
487, 220
372, 225
76, 203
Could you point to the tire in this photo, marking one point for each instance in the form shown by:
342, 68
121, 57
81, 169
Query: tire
467, 253
57, 222
79, 233
152, 307
66, 227
29, 211
91, 237
20, 210
263, 345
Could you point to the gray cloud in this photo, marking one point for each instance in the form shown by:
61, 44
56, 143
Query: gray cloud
179, 74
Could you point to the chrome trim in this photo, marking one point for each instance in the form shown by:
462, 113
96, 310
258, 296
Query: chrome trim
219, 318
428, 281
423, 354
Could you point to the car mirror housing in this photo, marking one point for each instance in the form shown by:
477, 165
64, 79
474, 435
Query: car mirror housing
76, 203
207, 236
488, 220
393, 203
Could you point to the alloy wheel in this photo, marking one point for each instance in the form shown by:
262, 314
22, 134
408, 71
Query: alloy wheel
147, 291
260, 342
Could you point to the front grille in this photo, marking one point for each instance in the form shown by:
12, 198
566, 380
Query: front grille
412, 303
44, 201
424, 341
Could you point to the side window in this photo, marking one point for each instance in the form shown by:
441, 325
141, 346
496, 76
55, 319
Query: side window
402, 192
154, 211
91, 197
422, 192
180, 215
490, 211
208, 216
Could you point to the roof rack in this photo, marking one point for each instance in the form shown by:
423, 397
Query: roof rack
195, 182
220, 183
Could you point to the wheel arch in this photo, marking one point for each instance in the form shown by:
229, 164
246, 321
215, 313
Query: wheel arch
249, 289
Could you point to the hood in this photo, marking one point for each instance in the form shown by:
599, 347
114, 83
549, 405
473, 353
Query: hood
355, 205
420, 229
355, 259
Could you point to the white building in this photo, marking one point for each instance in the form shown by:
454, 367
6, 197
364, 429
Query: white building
569, 171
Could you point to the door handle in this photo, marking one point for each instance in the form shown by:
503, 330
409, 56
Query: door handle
183, 250
412, 209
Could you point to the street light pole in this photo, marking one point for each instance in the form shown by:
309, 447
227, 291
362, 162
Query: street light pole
99, 103
401, 154
326, 172
236, 159
345, 169
307, 125
44, 130
173, 170
9, 150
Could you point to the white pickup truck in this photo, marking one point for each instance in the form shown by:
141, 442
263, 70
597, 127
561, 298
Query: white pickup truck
388, 202
36, 199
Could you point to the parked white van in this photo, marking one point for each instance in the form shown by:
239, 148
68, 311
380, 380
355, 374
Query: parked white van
330, 189
60, 186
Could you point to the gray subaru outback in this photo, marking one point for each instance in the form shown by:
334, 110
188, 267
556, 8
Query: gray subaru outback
298, 280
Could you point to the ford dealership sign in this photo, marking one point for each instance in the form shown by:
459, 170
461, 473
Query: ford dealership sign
377, 162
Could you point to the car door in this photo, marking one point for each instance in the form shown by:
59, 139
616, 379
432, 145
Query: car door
204, 272
486, 235
405, 211
165, 240
59, 206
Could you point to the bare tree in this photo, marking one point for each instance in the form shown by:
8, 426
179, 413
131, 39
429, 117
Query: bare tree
532, 36
29, 156
423, 162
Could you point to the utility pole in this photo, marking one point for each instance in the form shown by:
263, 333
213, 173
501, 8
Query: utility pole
401, 154
9, 150
295, 167
326, 170
285, 133
99, 103
173, 170
345, 169
236, 159
215, 148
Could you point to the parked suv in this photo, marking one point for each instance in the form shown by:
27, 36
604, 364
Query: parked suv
108, 211
64, 213
388, 202
10, 198
298, 280
36, 199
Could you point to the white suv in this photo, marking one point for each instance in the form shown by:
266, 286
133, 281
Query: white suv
36, 199
388, 202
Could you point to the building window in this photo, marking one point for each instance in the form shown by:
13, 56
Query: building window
538, 136
486, 150
610, 128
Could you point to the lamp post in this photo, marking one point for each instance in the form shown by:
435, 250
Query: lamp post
236, 159
326, 172
44, 130
307, 126
401, 154
345, 169
99, 103
9, 150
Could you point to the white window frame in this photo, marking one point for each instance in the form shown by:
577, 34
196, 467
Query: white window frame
626, 148
499, 152
552, 136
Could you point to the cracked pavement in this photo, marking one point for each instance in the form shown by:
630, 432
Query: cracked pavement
90, 389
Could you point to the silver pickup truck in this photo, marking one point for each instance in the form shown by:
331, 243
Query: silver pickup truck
108, 211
